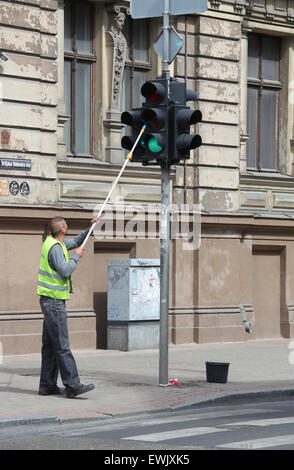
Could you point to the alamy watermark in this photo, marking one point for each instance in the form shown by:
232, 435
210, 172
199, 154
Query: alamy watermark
131, 222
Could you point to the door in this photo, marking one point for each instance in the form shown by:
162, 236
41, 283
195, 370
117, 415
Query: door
266, 294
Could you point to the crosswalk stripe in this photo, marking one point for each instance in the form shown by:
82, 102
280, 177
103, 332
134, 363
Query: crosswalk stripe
262, 422
276, 441
196, 431
176, 434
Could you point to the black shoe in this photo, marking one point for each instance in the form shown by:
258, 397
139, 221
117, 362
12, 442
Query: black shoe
81, 389
54, 391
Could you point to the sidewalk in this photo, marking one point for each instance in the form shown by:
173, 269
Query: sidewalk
127, 382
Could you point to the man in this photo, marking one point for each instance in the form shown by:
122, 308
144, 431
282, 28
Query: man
54, 287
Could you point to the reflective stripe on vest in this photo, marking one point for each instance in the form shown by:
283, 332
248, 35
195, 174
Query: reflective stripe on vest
54, 276
50, 286
50, 283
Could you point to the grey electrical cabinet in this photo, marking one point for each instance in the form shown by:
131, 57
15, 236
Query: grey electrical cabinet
133, 304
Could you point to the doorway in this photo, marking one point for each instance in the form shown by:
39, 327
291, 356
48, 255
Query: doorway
103, 252
266, 293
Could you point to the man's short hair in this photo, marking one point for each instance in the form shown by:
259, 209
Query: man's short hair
55, 226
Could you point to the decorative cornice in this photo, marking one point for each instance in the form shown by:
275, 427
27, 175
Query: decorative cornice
215, 3
269, 16
249, 10
239, 6
268, 10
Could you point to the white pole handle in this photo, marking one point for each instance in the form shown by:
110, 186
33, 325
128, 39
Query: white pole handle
129, 156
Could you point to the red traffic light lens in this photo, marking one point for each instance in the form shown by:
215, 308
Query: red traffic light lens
153, 92
154, 96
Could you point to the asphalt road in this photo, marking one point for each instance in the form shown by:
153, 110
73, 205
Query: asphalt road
254, 426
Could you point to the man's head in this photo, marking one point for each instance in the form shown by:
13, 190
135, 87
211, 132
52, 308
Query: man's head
58, 226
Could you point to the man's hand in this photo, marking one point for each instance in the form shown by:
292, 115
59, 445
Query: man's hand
95, 220
80, 251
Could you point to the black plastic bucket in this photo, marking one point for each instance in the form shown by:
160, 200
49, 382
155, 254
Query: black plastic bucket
217, 372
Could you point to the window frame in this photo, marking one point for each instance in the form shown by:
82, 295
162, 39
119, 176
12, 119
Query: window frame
132, 64
261, 84
74, 56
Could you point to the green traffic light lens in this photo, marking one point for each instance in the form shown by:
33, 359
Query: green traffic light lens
153, 145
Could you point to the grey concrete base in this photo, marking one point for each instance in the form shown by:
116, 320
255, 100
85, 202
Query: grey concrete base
127, 336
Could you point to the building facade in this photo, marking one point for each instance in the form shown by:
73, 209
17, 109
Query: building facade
72, 68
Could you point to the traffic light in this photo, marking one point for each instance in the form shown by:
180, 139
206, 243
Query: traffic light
167, 118
133, 119
181, 117
153, 146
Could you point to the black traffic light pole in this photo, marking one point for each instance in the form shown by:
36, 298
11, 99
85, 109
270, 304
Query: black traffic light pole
164, 225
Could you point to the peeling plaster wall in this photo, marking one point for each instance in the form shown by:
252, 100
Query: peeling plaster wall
206, 285
210, 64
28, 107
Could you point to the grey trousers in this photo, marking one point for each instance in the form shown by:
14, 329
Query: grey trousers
56, 353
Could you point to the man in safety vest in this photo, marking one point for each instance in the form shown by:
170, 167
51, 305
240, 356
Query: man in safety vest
54, 287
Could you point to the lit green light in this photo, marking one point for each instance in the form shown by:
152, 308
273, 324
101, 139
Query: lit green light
153, 145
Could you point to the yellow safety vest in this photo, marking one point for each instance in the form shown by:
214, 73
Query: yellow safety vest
50, 283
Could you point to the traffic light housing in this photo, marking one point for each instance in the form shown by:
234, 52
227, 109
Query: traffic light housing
153, 147
181, 117
133, 119
167, 119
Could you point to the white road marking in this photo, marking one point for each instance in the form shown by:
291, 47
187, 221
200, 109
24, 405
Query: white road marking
275, 441
262, 422
176, 434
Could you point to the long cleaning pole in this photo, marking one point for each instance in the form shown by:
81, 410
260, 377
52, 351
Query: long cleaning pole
129, 157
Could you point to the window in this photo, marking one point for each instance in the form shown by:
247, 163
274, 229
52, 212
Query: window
78, 76
137, 63
263, 95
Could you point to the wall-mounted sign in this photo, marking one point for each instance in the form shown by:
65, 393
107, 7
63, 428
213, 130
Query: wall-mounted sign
24, 189
15, 164
14, 188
